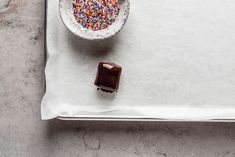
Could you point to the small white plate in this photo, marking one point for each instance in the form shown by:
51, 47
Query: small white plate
67, 16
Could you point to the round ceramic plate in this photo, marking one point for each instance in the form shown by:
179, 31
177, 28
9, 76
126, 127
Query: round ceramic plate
66, 13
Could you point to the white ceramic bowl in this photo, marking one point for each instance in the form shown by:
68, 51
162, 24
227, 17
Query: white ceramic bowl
66, 14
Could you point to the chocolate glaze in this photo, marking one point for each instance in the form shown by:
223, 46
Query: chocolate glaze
108, 76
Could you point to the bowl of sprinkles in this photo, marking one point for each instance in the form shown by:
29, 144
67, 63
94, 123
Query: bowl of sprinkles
94, 19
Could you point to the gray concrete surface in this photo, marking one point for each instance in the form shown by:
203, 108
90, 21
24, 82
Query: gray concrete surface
23, 134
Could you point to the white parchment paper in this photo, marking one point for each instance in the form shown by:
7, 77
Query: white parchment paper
178, 59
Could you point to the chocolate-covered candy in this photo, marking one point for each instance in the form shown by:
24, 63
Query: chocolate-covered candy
108, 76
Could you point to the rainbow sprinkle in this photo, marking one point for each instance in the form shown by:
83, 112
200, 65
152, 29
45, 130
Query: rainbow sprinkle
95, 14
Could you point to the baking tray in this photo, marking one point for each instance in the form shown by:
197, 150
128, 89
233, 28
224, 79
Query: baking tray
189, 45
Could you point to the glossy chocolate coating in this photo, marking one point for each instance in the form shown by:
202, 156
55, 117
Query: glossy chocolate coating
108, 76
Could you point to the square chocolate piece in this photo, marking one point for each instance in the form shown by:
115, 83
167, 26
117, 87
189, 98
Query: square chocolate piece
108, 76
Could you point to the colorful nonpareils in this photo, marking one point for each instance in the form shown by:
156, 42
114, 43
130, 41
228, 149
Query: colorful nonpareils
96, 14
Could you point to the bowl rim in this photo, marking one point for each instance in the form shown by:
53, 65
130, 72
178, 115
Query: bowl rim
97, 37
